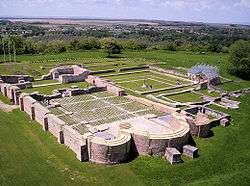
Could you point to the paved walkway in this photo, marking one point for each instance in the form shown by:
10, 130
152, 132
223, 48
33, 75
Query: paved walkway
6, 107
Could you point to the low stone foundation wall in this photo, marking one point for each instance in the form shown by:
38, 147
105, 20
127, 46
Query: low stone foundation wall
199, 130
174, 72
14, 79
27, 105
145, 145
76, 143
204, 129
110, 86
55, 127
67, 74
208, 111
102, 71
42, 115
155, 105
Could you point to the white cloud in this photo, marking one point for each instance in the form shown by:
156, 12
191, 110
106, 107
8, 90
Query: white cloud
245, 3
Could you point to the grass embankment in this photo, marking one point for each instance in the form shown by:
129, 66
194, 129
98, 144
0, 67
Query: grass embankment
4, 99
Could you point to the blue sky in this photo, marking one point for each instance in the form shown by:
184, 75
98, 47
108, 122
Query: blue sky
223, 11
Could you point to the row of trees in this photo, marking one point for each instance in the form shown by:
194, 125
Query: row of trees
30, 46
238, 64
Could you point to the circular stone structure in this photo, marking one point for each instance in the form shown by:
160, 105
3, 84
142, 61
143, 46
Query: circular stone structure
109, 151
144, 135
152, 135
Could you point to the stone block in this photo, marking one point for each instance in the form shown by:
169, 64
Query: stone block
190, 151
173, 155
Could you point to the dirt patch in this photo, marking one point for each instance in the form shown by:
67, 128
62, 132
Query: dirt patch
7, 108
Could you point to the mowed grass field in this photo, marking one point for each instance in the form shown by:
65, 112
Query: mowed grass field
30, 156
136, 81
185, 97
38, 65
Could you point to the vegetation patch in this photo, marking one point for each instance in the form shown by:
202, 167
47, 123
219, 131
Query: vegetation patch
185, 97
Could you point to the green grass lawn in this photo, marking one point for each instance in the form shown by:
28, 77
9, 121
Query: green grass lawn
29, 155
212, 94
32, 63
44, 82
235, 85
185, 97
4, 99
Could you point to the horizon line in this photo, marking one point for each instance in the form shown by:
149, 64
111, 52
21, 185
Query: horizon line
116, 19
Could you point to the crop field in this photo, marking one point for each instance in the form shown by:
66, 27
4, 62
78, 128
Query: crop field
98, 108
143, 81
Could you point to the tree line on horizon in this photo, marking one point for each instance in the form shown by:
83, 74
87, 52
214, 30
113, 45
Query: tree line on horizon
25, 45
238, 63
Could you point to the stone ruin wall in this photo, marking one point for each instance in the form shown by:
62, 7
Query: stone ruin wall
149, 103
199, 130
66, 78
110, 87
14, 79
109, 154
95, 152
41, 114
76, 143
55, 127
115, 90
67, 74
170, 71
156, 147
26, 104
204, 130
12, 91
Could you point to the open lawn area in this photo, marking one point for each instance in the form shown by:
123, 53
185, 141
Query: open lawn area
29, 155
38, 65
43, 82
235, 85
186, 97
142, 81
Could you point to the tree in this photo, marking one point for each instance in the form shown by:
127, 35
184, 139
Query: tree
239, 59
56, 47
133, 44
110, 46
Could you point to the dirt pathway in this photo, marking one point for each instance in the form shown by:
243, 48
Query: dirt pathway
6, 107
